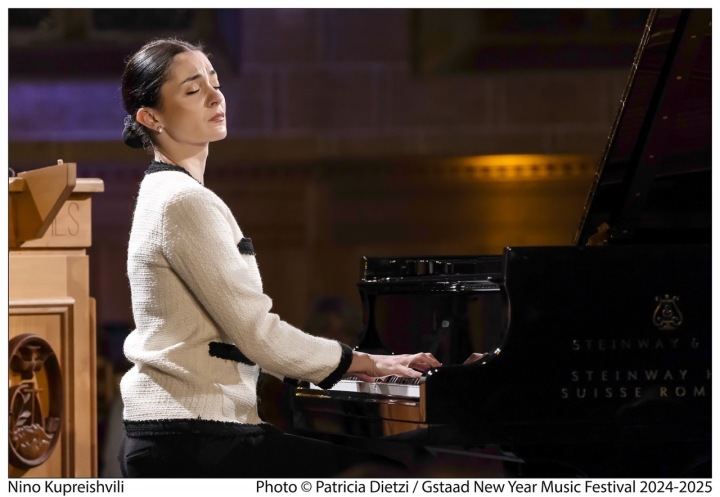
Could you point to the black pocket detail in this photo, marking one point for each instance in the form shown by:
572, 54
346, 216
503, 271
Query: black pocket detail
229, 352
246, 247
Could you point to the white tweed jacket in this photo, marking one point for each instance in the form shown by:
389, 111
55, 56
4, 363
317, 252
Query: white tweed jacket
203, 326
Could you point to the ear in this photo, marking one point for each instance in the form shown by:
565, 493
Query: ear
146, 117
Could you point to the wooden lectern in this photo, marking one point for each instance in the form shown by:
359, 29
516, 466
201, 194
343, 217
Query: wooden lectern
52, 424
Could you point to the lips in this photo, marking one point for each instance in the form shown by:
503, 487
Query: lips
219, 117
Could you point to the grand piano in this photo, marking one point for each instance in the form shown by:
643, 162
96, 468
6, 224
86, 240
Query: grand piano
592, 359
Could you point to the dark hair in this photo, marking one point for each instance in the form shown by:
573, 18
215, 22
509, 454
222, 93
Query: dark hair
145, 72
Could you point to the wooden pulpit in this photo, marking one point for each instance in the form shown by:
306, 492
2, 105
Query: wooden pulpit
52, 423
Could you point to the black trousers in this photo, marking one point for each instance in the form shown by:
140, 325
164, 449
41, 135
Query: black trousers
268, 454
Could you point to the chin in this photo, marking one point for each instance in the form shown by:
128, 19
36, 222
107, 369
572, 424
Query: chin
219, 135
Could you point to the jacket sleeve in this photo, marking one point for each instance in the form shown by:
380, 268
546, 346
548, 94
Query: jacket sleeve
200, 242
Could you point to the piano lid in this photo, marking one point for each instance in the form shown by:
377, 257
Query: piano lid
653, 184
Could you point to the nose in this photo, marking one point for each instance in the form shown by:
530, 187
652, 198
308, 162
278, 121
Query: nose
215, 97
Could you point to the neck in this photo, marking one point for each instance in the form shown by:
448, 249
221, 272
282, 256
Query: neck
192, 163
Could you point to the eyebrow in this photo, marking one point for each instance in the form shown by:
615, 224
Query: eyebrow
193, 78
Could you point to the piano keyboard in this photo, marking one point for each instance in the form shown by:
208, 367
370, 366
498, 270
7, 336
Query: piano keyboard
394, 386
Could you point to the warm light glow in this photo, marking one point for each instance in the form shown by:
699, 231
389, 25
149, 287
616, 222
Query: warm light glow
527, 166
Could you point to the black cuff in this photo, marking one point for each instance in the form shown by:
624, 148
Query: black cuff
335, 376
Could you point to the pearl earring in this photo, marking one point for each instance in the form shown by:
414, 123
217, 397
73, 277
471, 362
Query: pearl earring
160, 128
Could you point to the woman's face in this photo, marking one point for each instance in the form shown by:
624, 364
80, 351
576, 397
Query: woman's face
193, 107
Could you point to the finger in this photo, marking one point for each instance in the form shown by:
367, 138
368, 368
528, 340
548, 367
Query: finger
411, 373
424, 360
427, 356
364, 377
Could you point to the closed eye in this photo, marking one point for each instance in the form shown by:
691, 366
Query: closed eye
192, 92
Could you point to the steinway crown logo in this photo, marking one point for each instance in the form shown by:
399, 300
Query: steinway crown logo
667, 315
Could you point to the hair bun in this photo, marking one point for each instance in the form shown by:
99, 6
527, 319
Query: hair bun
130, 134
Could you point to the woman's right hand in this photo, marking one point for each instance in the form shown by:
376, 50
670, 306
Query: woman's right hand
370, 366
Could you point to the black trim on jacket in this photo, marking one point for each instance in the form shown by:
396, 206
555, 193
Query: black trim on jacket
156, 166
155, 427
246, 247
228, 351
335, 376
